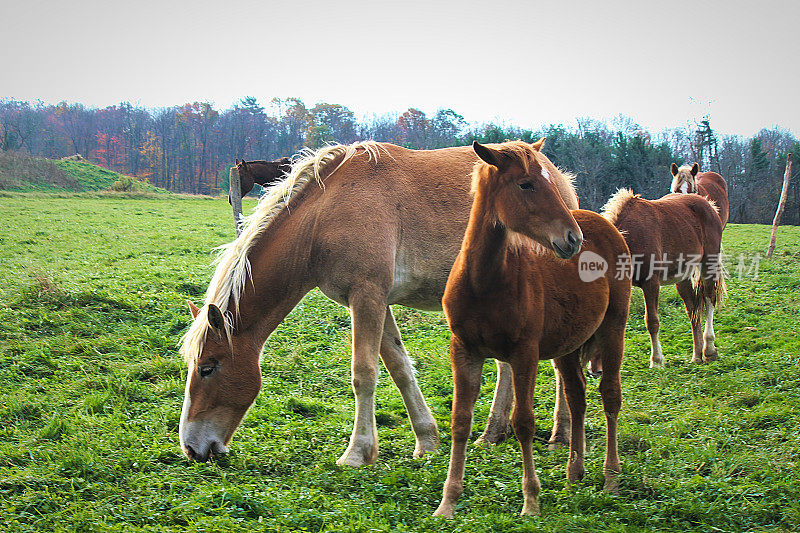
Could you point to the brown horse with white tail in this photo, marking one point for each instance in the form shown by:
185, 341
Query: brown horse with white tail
510, 298
370, 224
675, 239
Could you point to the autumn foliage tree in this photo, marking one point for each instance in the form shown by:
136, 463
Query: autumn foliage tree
190, 147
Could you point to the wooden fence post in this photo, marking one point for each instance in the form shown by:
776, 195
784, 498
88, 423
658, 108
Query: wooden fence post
236, 198
781, 204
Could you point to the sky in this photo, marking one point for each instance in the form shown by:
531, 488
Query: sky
524, 63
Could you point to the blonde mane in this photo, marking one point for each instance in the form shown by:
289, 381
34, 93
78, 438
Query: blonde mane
616, 204
233, 265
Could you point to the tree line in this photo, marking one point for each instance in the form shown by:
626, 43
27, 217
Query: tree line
190, 147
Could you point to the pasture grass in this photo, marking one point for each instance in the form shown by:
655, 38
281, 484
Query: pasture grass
93, 300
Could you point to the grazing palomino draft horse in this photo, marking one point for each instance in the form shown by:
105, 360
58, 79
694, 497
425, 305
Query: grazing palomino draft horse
370, 224
675, 239
265, 173
508, 297
708, 184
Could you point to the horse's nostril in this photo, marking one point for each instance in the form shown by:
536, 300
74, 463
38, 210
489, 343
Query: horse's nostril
571, 238
190, 453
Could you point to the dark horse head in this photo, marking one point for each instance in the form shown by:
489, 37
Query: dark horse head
265, 173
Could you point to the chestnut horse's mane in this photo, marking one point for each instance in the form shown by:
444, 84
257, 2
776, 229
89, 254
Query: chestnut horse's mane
233, 265
616, 204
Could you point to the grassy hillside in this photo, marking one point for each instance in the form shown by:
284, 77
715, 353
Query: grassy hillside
29, 174
92, 303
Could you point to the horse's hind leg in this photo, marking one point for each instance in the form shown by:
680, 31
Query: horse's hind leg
574, 389
691, 300
651, 289
401, 368
497, 423
367, 314
709, 349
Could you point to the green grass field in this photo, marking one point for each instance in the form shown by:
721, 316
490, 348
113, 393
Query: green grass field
93, 301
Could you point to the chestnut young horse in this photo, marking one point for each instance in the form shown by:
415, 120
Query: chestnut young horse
370, 224
708, 184
510, 298
675, 239
264, 173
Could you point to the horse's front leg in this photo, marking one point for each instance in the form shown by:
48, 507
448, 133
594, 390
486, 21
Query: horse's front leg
525, 367
367, 313
466, 387
401, 368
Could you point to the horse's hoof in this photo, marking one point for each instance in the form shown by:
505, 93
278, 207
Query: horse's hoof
356, 458
611, 486
713, 356
445, 511
422, 448
490, 438
530, 509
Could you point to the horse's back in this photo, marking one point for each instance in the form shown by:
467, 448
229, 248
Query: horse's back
399, 217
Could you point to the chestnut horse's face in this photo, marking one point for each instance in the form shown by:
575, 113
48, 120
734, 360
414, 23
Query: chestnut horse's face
527, 200
222, 383
684, 179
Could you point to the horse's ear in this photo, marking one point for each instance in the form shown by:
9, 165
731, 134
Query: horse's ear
244, 164
695, 169
538, 144
489, 155
215, 318
674, 169
193, 308
236, 161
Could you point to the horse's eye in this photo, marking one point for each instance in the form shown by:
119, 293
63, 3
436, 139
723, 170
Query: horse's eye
206, 370
526, 186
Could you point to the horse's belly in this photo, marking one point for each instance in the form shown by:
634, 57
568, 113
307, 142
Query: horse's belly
419, 283
416, 291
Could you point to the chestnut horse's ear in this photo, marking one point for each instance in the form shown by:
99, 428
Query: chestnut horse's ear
538, 144
489, 155
193, 308
674, 169
215, 318
695, 169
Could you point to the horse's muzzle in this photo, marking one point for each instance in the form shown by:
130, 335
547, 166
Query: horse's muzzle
203, 452
570, 246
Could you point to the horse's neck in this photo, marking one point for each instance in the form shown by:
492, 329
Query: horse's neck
279, 276
261, 172
484, 248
